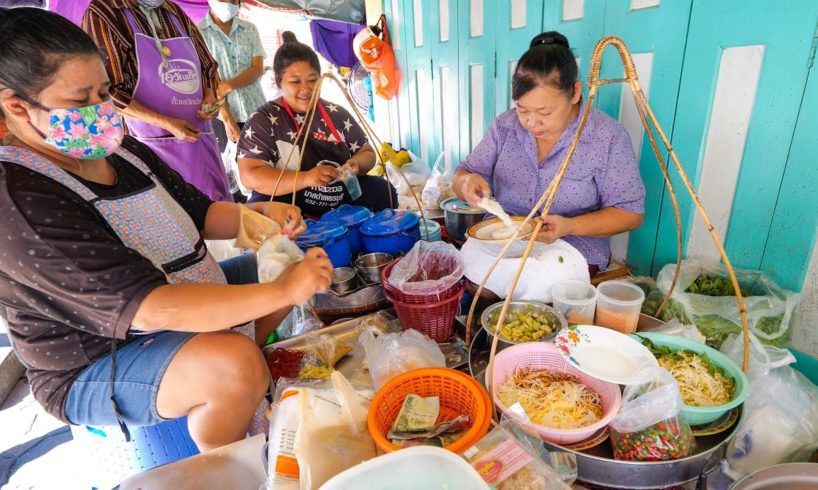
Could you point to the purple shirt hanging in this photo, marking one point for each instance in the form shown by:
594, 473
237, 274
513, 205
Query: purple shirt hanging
334, 41
603, 172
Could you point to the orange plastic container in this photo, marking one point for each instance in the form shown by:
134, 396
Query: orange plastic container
459, 395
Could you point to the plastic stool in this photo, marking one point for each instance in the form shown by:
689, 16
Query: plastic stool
113, 459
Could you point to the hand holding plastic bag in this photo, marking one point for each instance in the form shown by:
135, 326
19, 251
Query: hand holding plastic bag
650, 426
389, 355
275, 255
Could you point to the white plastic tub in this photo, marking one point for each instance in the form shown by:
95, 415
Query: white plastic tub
429, 468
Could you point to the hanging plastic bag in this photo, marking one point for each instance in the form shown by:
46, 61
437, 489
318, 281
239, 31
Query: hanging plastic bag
429, 268
373, 47
650, 425
389, 355
438, 186
231, 166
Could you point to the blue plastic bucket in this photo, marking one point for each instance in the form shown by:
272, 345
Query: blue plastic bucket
352, 217
393, 231
333, 237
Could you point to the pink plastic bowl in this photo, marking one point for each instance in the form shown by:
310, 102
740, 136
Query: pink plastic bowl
537, 356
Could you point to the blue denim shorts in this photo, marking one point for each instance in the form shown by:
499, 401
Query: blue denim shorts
140, 366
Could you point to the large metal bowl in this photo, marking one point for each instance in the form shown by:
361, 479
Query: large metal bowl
459, 217
492, 312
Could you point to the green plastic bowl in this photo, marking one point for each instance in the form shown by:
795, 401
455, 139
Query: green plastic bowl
705, 415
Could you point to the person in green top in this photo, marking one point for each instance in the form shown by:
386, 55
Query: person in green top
236, 45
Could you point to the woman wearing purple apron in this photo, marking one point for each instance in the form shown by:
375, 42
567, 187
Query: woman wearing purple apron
169, 83
333, 139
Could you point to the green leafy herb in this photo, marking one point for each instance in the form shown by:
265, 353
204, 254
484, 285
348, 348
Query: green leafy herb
561, 260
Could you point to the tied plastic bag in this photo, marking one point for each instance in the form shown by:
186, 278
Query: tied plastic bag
704, 296
231, 166
650, 425
780, 416
389, 355
275, 255
329, 441
507, 463
414, 175
429, 268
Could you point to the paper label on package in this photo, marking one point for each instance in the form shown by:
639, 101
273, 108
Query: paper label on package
502, 462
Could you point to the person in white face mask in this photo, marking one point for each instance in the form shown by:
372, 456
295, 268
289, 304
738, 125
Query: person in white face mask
236, 45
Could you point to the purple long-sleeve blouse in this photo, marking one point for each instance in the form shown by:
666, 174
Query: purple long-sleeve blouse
603, 172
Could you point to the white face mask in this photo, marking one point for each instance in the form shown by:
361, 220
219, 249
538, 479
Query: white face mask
223, 11
151, 4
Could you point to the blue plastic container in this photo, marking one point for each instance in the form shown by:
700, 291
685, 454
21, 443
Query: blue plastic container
332, 237
352, 217
394, 231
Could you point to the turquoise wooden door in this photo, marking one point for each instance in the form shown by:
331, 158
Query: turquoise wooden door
447, 103
581, 22
476, 32
655, 35
745, 72
518, 21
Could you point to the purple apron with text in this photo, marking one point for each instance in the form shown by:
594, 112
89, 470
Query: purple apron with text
173, 88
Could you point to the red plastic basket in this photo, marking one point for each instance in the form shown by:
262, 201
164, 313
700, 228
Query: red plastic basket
414, 298
435, 319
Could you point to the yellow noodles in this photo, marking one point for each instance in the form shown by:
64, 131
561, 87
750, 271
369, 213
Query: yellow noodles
700, 386
554, 400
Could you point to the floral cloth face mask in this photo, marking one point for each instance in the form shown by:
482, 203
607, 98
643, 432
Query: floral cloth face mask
87, 133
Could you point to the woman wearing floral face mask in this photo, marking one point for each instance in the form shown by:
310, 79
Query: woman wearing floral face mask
108, 288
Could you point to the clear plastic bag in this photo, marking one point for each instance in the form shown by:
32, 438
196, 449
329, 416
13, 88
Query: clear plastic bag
650, 425
507, 463
347, 177
780, 416
274, 255
438, 186
769, 307
389, 355
677, 329
429, 268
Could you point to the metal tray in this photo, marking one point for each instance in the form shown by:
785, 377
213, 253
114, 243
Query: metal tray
596, 465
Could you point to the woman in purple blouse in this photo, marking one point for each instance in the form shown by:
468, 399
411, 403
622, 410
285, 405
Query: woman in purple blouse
601, 194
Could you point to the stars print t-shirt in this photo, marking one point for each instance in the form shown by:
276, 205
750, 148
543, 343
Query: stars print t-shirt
67, 283
269, 135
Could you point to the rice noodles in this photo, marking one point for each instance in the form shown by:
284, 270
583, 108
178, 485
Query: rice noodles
553, 400
700, 383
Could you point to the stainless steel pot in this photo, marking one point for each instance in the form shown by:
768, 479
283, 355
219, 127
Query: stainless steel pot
792, 476
459, 217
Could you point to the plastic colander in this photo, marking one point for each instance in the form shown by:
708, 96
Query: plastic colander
539, 356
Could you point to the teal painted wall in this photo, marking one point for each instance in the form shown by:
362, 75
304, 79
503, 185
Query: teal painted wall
772, 219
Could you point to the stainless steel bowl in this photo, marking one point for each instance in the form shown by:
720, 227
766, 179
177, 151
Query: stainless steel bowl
369, 266
459, 217
490, 314
343, 280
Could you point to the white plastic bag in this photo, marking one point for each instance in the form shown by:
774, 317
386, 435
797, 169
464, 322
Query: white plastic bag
231, 166
769, 307
389, 355
275, 255
438, 187
429, 268
780, 419
333, 438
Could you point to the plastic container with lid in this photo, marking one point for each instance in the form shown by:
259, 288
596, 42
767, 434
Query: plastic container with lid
393, 231
433, 227
333, 237
352, 217
618, 305
575, 300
